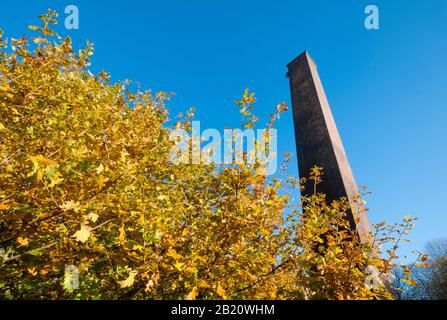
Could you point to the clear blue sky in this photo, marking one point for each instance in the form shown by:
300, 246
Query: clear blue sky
387, 88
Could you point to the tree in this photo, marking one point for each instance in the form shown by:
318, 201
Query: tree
86, 181
430, 281
437, 283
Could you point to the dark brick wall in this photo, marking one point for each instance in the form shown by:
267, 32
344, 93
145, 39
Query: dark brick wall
318, 141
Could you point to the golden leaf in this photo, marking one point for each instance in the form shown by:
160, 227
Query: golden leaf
192, 295
220, 291
71, 205
32, 271
129, 281
4, 206
411, 282
122, 234
55, 181
83, 234
203, 284
179, 266
93, 216
173, 254
22, 241
44, 271
100, 169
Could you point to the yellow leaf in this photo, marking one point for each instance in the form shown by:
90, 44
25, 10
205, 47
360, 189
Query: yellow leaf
101, 181
123, 155
193, 294
39, 175
129, 281
173, 254
55, 181
36, 160
93, 216
22, 241
44, 271
2, 127
203, 284
83, 234
220, 291
138, 247
411, 282
191, 269
4, 206
122, 235
80, 151
99, 169
71, 205
32, 271
179, 266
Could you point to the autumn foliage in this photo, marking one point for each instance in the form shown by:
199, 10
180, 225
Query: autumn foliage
85, 180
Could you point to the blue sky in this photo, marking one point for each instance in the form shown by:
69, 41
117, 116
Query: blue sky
387, 88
